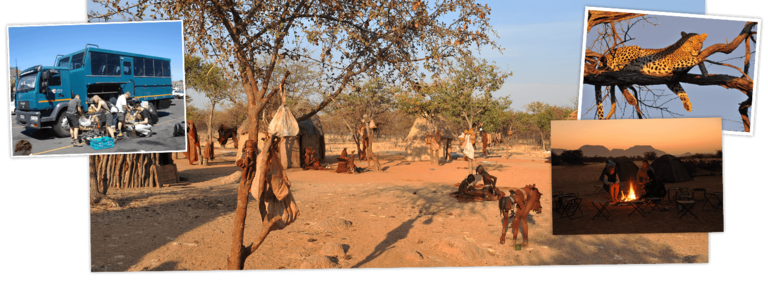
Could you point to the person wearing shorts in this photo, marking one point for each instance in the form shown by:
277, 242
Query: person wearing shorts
107, 108
121, 105
72, 114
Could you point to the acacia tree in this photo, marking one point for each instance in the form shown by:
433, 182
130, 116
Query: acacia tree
467, 92
361, 104
392, 39
541, 114
614, 31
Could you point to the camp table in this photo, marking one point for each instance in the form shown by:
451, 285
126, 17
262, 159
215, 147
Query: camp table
636, 204
601, 209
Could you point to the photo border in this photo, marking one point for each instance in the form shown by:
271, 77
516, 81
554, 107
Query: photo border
753, 111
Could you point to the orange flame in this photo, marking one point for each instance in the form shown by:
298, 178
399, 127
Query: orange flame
631, 196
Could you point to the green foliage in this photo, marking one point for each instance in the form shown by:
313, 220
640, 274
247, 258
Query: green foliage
467, 95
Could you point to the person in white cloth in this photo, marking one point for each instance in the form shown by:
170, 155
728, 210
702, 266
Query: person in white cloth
122, 106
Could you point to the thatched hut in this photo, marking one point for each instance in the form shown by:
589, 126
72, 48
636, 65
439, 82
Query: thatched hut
311, 134
416, 148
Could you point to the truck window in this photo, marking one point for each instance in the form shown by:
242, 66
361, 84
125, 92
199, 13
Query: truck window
166, 68
64, 62
149, 68
55, 80
105, 64
98, 63
158, 68
138, 66
77, 61
27, 82
126, 68
113, 64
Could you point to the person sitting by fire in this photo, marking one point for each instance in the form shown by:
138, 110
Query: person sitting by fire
611, 184
642, 176
654, 187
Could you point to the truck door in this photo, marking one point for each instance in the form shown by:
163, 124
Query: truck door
127, 73
56, 91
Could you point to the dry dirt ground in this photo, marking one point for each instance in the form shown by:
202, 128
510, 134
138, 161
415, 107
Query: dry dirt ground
582, 179
401, 217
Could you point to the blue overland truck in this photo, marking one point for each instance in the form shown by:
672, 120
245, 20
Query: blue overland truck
43, 92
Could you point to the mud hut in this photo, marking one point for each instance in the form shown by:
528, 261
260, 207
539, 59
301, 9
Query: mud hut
311, 134
670, 169
416, 148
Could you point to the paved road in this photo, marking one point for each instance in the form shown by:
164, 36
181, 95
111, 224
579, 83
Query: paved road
44, 142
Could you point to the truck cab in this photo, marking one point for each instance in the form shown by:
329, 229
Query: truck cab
42, 95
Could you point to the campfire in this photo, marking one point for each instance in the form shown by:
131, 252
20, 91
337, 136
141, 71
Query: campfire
629, 197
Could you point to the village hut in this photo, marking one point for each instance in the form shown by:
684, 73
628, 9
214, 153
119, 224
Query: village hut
416, 148
311, 134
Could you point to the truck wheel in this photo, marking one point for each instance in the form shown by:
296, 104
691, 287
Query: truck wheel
61, 126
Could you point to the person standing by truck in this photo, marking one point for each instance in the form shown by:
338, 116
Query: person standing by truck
108, 108
74, 111
122, 106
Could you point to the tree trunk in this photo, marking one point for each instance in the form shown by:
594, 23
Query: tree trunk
97, 194
123, 171
210, 131
238, 252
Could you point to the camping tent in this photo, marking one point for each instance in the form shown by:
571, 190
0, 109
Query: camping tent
626, 169
311, 134
670, 169
416, 148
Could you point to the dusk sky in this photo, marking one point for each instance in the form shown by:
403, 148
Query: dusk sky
674, 136
707, 101
542, 42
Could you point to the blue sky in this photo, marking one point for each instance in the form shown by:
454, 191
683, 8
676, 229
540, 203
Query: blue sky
707, 101
542, 44
39, 45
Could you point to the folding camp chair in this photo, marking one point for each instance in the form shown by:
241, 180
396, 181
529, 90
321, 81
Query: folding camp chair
653, 203
570, 206
702, 190
676, 190
687, 207
717, 198
600, 190
638, 207
601, 209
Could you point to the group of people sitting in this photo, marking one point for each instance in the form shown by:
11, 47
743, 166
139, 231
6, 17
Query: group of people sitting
116, 116
648, 185
468, 188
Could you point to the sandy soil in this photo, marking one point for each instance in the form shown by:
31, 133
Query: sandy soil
401, 217
582, 179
